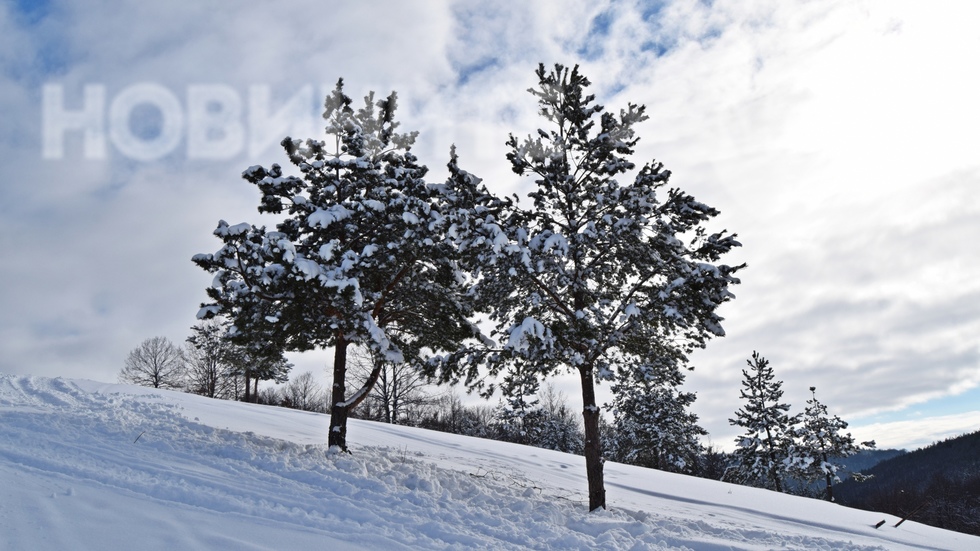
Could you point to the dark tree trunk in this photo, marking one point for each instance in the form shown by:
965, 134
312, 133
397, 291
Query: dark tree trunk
830, 481
388, 391
393, 410
593, 445
338, 406
773, 472
248, 388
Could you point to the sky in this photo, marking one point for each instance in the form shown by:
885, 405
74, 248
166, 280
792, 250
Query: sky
837, 138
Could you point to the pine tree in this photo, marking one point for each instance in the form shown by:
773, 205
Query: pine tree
535, 417
518, 415
365, 252
249, 358
819, 442
594, 277
654, 428
764, 454
252, 365
556, 424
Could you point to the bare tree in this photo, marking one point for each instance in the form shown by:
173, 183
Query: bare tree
447, 413
271, 396
304, 393
210, 369
156, 363
399, 390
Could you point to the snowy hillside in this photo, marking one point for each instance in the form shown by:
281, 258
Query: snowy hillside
87, 465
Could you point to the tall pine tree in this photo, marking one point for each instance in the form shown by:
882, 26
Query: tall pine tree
764, 454
365, 251
597, 276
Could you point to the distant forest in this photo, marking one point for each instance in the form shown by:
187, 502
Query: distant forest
937, 485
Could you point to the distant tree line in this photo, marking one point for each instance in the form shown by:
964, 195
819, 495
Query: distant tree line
650, 425
209, 364
937, 485
804, 454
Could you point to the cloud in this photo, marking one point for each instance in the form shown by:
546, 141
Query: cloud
918, 433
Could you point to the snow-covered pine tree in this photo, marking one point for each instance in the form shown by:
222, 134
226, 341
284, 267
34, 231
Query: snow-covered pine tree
534, 416
255, 363
653, 425
764, 454
557, 424
365, 251
518, 411
594, 277
820, 442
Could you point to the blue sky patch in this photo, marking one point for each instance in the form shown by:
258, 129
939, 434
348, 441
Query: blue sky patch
947, 405
467, 72
657, 47
592, 48
31, 12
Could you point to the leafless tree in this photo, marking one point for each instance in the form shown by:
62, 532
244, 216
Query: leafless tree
447, 413
210, 369
399, 393
303, 392
156, 363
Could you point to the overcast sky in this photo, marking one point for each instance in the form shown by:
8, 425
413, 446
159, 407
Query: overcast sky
839, 139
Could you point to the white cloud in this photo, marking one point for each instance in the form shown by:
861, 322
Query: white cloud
914, 434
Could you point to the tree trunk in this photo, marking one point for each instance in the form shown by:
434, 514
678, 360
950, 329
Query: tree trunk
830, 481
248, 388
395, 406
593, 445
388, 390
774, 474
338, 406
771, 455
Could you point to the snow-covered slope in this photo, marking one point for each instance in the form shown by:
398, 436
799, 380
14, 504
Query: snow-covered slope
87, 465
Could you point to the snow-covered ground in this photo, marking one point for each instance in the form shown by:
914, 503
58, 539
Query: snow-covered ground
87, 465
